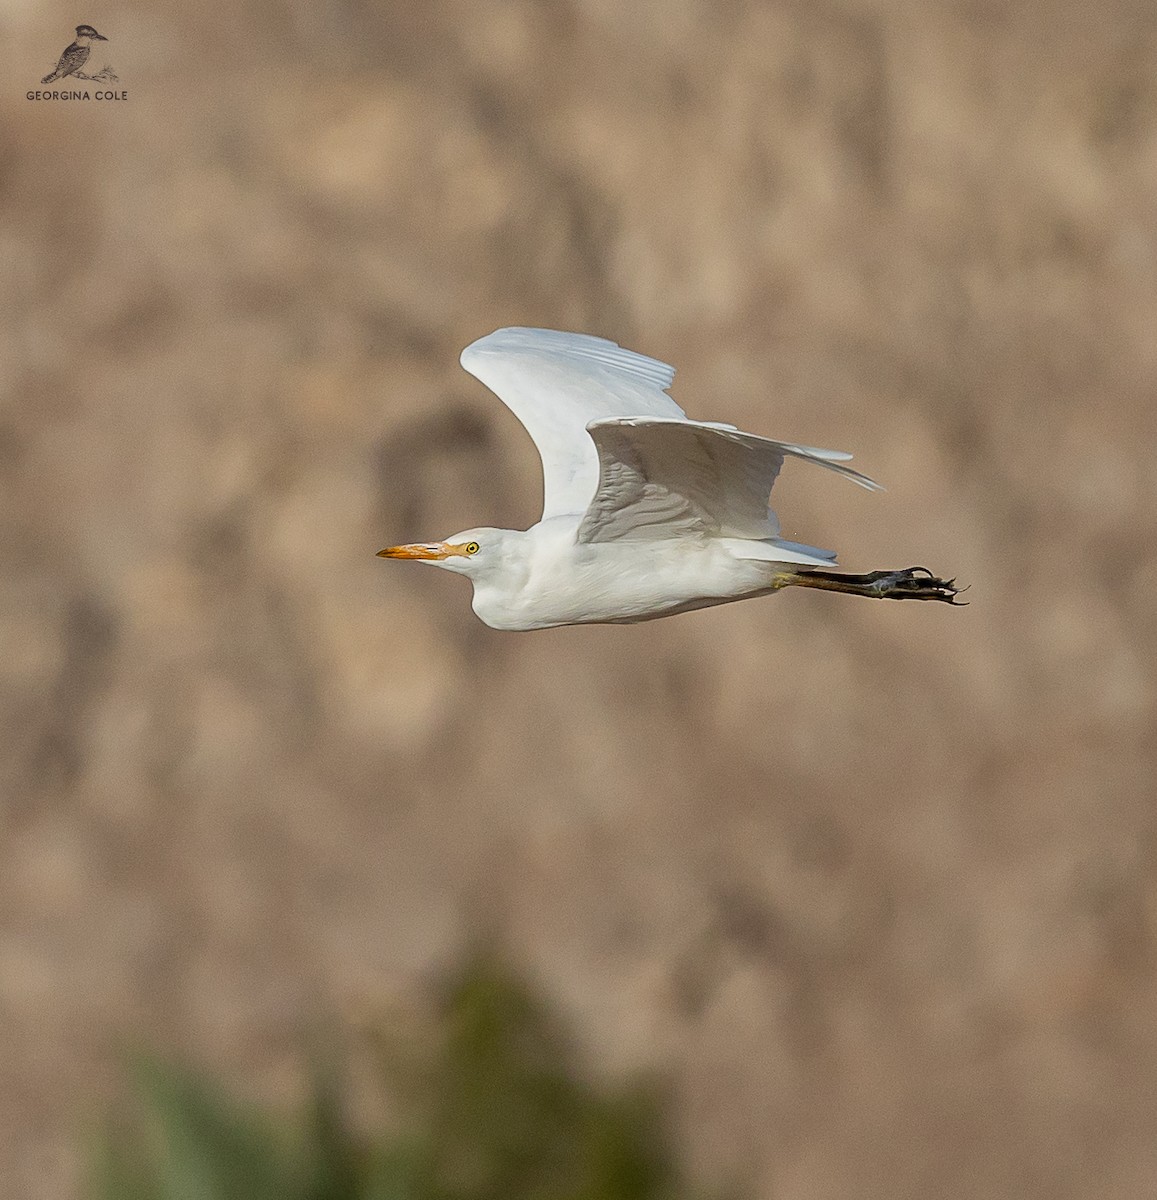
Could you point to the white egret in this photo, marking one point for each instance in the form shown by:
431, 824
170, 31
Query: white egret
645, 512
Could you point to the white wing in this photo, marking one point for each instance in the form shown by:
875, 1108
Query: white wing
556, 384
666, 479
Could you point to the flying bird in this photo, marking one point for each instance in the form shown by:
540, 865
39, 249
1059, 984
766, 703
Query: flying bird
76, 55
645, 513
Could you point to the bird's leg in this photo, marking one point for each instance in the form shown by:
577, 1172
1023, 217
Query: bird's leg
912, 583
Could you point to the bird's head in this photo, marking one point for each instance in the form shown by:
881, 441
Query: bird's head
474, 552
87, 31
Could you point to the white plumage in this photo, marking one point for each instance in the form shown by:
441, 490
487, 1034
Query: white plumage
556, 384
645, 512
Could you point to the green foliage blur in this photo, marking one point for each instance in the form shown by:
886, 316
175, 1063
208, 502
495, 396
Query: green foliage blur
492, 1110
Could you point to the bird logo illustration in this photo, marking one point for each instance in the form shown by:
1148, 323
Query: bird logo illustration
77, 55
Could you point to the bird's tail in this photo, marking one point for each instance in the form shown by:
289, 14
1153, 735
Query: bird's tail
51, 77
779, 550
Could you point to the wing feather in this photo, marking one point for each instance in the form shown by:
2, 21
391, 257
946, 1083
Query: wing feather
619, 455
556, 384
662, 479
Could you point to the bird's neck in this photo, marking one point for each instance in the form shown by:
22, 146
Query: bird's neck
497, 592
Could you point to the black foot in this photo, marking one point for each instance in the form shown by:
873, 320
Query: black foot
913, 583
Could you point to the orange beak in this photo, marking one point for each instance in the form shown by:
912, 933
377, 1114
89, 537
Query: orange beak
424, 550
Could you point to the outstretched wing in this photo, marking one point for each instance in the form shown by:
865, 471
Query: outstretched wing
556, 384
664, 479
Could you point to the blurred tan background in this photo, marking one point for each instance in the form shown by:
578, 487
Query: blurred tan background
875, 886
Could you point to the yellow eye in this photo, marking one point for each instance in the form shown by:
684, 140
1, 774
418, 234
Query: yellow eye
472, 547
